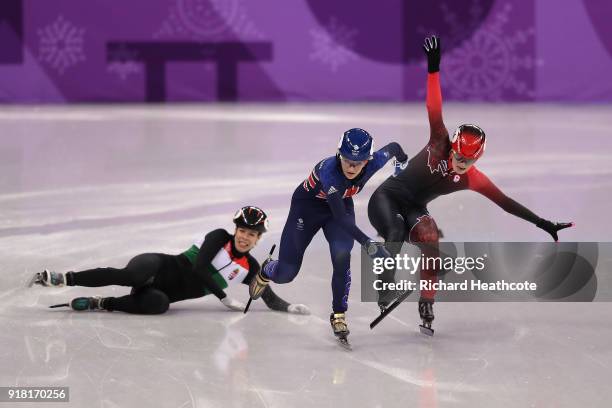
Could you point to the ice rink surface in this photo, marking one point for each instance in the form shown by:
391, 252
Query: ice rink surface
82, 187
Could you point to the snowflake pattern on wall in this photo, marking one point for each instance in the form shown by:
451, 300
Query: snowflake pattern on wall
207, 20
123, 63
489, 64
457, 27
332, 44
61, 44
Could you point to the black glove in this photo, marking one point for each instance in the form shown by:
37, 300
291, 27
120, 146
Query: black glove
552, 227
432, 49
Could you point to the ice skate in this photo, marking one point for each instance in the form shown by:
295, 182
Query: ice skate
83, 303
385, 298
258, 284
48, 278
260, 281
340, 328
387, 307
87, 303
427, 315
383, 302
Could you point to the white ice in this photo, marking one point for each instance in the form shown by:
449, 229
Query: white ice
82, 187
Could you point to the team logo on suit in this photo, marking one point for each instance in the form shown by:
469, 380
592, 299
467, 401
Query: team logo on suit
436, 164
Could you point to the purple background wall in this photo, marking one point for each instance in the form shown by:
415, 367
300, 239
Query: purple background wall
302, 50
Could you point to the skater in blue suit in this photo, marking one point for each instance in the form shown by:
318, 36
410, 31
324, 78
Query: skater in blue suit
324, 201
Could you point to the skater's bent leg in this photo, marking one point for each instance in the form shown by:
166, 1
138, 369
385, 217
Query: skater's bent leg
301, 226
386, 217
286, 268
282, 272
143, 301
139, 271
425, 235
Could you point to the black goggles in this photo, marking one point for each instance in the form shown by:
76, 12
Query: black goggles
462, 159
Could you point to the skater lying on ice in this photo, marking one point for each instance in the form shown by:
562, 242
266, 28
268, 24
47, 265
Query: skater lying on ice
324, 201
157, 280
398, 208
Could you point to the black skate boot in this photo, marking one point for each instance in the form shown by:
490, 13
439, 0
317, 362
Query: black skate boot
87, 303
340, 328
48, 278
83, 303
260, 281
385, 298
427, 315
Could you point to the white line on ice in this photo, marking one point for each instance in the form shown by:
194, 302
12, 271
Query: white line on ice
204, 115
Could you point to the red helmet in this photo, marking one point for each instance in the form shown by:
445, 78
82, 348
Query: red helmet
469, 141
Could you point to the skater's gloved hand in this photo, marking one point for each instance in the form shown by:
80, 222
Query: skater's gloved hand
298, 309
432, 49
376, 249
552, 227
399, 166
233, 304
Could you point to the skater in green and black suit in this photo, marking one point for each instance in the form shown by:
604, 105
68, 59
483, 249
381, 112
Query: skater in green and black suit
218, 260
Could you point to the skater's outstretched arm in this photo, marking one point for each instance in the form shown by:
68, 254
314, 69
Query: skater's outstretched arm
438, 130
483, 185
480, 183
275, 302
213, 242
271, 299
390, 150
383, 155
338, 209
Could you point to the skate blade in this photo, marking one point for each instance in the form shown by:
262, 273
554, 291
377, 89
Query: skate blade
60, 305
33, 280
426, 330
246, 309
